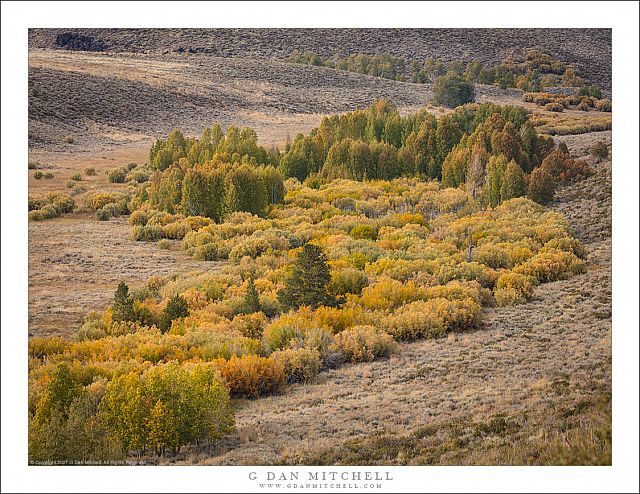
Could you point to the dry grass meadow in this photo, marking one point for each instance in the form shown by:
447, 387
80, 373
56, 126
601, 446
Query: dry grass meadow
533, 386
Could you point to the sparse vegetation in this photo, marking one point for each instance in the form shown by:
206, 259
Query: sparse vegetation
50, 206
600, 151
117, 175
537, 71
384, 66
559, 125
579, 435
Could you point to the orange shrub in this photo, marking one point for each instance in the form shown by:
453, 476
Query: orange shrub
250, 376
512, 289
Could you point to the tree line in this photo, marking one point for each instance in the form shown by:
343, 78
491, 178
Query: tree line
483, 148
379, 65
535, 72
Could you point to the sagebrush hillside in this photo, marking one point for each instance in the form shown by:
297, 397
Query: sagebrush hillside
588, 49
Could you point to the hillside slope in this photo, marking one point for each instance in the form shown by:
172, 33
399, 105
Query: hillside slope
93, 95
588, 49
534, 371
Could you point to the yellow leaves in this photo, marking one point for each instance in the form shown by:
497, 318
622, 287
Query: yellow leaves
398, 257
566, 244
166, 406
469, 271
398, 269
250, 376
387, 294
414, 320
205, 319
492, 256
300, 364
455, 290
41, 347
518, 252
107, 316
457, 314
388, 244
98, 200
551, 265
403, 219
363, 344
263, 285
249, 325
339, 319
301, 325
513, 288
196, 299
161, 426
348, 280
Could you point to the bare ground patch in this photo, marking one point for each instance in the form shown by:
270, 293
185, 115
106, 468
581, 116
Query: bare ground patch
76, 262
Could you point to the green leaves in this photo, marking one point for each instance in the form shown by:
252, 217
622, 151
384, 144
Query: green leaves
166, 406
452, 90
123, 304
251, 301
176, 308
307, 284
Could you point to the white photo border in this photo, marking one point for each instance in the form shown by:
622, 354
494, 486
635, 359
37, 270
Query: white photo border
17, 17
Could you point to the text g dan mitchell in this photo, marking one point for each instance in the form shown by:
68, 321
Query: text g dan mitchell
319, 476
